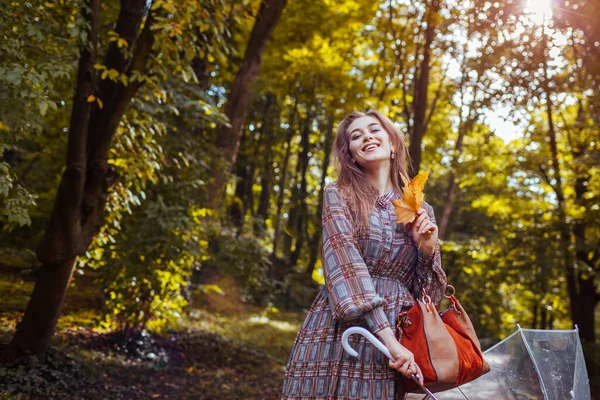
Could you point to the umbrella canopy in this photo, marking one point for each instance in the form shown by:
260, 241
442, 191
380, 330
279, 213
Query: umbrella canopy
529, 364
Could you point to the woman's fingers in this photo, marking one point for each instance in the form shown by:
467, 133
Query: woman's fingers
404, 361
397, 365
421, 216
422, 224
426, 226
409, 368
406, 366
420, 375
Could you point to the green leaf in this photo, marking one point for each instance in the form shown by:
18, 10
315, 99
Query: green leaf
43, 107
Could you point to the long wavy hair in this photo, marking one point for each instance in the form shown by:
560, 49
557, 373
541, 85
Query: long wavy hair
355, 188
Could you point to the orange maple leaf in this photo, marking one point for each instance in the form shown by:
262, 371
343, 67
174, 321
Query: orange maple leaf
407, 207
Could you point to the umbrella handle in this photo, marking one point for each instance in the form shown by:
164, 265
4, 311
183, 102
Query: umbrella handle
377, 343
369, 336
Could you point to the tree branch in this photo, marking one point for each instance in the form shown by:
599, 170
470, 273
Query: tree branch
546, 177
127, 27
86, 82
61, 236
115, 95
141, 56
436, 98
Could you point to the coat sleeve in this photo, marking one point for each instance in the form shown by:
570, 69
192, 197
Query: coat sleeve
350, 289
429, 272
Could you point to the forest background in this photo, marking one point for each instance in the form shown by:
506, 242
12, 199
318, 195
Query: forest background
163, 163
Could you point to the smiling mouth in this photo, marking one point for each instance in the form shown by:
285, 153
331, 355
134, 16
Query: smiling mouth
370, 146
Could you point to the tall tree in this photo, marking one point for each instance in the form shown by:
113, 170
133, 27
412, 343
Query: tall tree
420, 103
83, 190
236, 107
103, 93
271, 124
315, 239
283, 176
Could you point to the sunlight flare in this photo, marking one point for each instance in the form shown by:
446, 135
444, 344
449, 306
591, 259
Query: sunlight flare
539, 10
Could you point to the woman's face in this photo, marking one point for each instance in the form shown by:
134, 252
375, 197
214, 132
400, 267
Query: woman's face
369, 142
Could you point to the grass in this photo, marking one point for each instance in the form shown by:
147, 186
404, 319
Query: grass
226, 354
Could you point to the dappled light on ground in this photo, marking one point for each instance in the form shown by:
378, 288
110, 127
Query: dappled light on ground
211, 355
281, 325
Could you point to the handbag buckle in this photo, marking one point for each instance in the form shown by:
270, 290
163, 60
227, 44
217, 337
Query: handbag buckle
427, 301
452, 299
403, 320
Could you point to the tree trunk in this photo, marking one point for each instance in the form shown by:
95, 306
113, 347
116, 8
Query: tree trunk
448, 206
452, 186
315, 240
245, 171
575, 302
39, 321
292, 220
266, 179
237, 211
302, 210
543, 318
420, 101
588, 296
236, 108
81, 197
283, 180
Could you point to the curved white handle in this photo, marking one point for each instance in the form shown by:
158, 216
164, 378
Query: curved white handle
369, 336
377, 343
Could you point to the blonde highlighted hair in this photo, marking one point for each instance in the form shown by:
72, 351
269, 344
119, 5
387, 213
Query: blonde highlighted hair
355, 188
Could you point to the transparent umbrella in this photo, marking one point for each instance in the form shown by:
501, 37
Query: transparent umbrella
529, 364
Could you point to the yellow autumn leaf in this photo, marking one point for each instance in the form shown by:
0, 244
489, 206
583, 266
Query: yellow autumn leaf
417, 184
99, 103
122, 43
91, 98
412, 193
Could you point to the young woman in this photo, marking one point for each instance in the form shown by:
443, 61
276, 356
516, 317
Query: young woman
372, 268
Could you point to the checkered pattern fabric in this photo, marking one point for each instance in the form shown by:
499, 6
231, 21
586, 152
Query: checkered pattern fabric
371, 274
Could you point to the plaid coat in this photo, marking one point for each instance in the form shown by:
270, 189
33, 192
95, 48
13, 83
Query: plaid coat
370, 275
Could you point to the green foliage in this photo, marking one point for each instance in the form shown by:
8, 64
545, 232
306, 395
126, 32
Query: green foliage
143, 288
144, 275
36, 59
15, 201
245, 258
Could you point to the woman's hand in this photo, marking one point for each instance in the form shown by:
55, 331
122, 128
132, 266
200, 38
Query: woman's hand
405, 360
424, 232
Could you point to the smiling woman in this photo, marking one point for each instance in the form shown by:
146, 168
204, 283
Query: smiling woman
369, 142
372, 268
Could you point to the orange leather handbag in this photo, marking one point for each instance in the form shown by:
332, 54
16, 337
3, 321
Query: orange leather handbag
444, 344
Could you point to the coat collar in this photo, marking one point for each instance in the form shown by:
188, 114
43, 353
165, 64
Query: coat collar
384, 200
